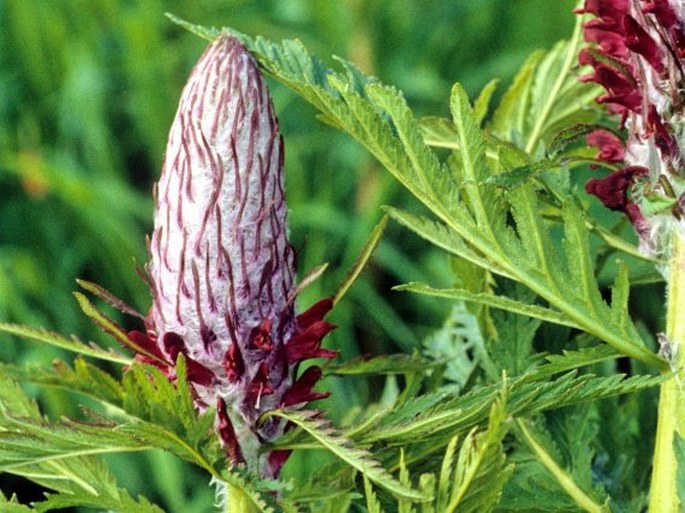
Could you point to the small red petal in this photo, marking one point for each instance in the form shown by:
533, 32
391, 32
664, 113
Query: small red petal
639, 41
145, 342
316, 312
198, 373
302, 389
260, 338
308, 343
611, 148
612, 189
233, 363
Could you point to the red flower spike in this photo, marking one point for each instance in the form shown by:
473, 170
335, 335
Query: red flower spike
639, 58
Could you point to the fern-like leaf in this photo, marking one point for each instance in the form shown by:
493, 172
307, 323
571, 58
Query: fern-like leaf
360, 459
72, 344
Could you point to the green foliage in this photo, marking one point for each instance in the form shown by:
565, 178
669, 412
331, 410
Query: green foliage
378, 118
359, 459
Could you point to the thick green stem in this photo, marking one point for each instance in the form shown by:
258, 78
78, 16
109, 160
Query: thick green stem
663, 497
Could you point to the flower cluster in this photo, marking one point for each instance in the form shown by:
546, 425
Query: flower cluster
222, 270
637, 53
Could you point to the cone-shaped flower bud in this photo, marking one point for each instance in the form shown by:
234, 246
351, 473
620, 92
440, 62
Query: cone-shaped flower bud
222, 270
638, 55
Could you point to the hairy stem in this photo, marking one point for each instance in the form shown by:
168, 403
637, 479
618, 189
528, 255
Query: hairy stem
663, 497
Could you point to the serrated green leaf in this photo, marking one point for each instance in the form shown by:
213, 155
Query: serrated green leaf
110, 298
12, 505
472, 153
111, 327
72, 344
427, 485
481, 469
372, 503
491, 300
526, 396
359, 459
446, 476
383, 364
570, 360
482, 103
579, 496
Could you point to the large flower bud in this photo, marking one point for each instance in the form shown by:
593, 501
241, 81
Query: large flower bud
222, 270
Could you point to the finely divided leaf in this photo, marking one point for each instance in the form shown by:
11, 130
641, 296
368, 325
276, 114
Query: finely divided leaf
72, 344
360, 459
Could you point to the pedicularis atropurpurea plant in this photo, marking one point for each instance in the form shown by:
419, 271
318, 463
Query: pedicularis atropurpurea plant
538, 393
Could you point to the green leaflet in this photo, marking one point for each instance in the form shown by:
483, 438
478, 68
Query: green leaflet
12, 505
360, 459
481, 469
72, 344
545, 97
570, 360
525, 396
372, 503
383, 364
566, 481
492, 300
59, 456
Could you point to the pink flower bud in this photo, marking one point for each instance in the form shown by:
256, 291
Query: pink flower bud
222, 270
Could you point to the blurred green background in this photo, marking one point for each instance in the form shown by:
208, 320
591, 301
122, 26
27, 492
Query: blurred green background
88, 89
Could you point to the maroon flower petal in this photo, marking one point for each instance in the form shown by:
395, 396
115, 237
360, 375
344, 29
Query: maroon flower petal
145, 342
611, 147
612, 190
234, 364
640, 42
316, 312
308, 343
302, 389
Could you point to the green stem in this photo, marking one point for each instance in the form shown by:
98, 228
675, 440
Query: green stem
663, 496
584, 501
